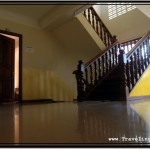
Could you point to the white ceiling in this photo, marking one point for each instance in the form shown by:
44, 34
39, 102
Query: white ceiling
145, 9
32, 11
46, 16
40, 15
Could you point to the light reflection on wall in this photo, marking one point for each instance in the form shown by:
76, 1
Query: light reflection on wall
44, 84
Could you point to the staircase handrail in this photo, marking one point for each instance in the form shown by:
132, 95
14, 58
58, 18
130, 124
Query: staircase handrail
137, 44
99, 27
137, 61
100, 54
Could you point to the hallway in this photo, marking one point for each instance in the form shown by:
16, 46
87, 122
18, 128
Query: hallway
78, 124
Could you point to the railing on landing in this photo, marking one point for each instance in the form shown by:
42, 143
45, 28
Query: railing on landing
99, 27
128, 45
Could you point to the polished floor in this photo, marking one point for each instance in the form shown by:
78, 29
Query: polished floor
95, 123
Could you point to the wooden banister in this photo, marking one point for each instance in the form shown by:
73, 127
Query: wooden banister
131, 67
138, 60
99, 27
102, 53
88, 76
138, 43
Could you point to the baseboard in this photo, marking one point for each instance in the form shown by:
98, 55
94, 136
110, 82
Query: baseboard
39, 101
139, 97
135, 99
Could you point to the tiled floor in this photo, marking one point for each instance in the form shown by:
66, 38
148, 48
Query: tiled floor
67, 122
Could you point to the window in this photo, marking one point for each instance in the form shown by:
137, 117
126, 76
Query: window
117, 9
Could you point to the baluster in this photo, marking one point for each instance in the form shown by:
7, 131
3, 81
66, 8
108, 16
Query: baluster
122, 72
91, 75
127, 47
89, 16
139, 62
122, 46
116, 55
108, 40
86, 79
95, 68
142, 60
135, 41
103, 65
99, 67
144, 50
106, 61
97, 26
132, 70
130, 45
110, 58
135, 66
104, 36
148, 50
79, 78
84, 13
93, 19
128, 75
113, 57
101, 31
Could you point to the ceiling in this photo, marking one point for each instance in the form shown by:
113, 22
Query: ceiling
32, 11
45, 16
145, 9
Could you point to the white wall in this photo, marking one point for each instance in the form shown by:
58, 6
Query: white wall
130, 25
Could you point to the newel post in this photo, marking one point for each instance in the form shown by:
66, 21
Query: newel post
80, 81
122, 69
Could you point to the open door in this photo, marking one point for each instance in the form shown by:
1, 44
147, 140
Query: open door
7, 51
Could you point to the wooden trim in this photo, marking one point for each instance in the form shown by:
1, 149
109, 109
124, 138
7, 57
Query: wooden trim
39, 101
20, 58
139, 97
100, 54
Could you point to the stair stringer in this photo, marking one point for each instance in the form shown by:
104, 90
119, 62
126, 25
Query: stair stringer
91, 31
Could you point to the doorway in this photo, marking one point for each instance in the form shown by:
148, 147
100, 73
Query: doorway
11, 67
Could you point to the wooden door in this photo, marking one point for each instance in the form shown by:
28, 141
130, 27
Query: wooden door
7, 50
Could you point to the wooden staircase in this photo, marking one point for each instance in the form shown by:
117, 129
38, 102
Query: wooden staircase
111, 75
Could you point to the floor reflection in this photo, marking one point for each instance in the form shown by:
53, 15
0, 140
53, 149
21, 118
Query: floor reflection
9, 124
76, 123
99, 122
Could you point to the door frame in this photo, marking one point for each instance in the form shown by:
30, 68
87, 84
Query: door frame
20, 59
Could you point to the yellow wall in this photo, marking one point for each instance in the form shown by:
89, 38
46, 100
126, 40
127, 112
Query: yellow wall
44, 84
143, 86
